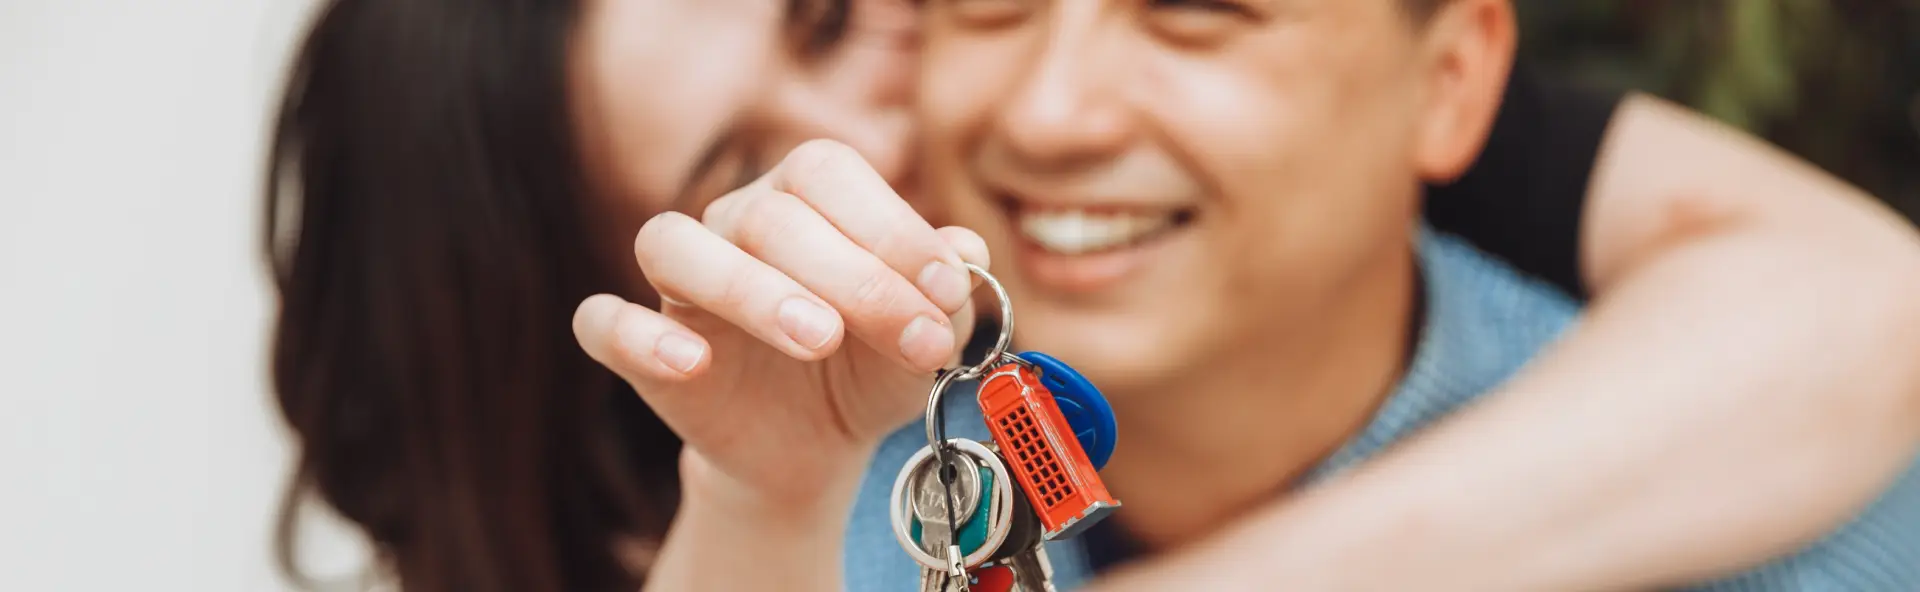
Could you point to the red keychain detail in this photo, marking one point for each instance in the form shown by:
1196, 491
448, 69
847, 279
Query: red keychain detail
1043, 453
998, 578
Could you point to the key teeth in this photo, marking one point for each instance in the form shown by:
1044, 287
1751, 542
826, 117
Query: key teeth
1033, 570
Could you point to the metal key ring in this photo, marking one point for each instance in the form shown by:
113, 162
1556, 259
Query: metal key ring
936, 428
998, 514
936, 420
1006, 326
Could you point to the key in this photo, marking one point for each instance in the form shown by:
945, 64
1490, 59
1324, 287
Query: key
928, 532
1022, 557
940, 581
979, 528
932, 495
1023, 533
1032, 572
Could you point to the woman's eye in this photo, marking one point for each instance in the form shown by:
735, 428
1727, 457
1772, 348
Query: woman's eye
731, 165
747, 169
818, 25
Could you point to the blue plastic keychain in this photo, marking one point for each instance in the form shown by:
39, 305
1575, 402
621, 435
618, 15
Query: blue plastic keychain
1085, 409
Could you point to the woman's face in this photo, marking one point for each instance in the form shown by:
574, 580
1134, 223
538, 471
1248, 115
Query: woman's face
680, 101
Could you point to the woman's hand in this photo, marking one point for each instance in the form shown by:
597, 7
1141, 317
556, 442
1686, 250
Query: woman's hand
802, 318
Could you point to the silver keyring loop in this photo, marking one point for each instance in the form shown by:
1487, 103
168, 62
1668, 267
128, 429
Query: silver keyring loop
936, 428
936, 424
1006, 326
1002, 517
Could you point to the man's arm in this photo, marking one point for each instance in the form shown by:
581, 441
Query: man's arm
1744, 381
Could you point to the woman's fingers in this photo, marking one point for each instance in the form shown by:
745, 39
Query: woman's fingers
835, 181
688, 263
879, 305
643, 346
819, 247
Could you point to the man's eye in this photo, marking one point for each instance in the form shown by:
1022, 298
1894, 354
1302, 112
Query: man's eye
981, 13
1221, 6
1198, 21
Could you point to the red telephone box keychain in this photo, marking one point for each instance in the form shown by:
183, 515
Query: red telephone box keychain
1043, 450
1045, 457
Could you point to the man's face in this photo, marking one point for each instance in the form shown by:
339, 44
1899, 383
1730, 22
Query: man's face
1164, 182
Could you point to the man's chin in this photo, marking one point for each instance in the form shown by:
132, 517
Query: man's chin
1117, 350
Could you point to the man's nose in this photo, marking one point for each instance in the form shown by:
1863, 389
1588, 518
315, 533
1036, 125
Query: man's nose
1066, 107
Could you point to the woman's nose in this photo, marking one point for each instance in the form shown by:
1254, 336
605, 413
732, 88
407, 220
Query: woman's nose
885, 139
860, 93
882, 132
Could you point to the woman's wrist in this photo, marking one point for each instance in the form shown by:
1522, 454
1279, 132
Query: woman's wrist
825, 495
732, 535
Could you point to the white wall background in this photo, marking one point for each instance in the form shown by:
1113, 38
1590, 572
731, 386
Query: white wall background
139, 448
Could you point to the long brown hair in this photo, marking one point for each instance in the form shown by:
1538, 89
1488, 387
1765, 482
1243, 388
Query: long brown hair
425, 207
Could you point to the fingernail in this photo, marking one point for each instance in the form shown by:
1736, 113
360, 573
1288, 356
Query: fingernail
945, 284
806, 323
925, 342
679, 352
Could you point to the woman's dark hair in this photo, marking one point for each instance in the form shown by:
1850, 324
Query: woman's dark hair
425, 206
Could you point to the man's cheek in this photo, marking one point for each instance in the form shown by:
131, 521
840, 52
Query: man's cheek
949, 108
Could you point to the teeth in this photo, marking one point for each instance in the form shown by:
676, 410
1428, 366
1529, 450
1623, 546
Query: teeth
1074, 232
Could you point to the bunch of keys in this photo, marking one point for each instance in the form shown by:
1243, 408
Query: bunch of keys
976, 522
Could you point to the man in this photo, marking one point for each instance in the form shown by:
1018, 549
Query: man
1180, 186
1210, 209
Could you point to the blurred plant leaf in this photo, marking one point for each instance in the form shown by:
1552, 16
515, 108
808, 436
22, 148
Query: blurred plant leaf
1836, 81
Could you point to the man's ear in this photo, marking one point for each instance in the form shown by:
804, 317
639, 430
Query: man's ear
1469, 46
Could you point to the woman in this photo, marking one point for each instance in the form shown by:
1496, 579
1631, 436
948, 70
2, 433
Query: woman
467, 173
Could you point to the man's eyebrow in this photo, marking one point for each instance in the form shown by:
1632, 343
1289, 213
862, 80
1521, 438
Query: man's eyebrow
703, 165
